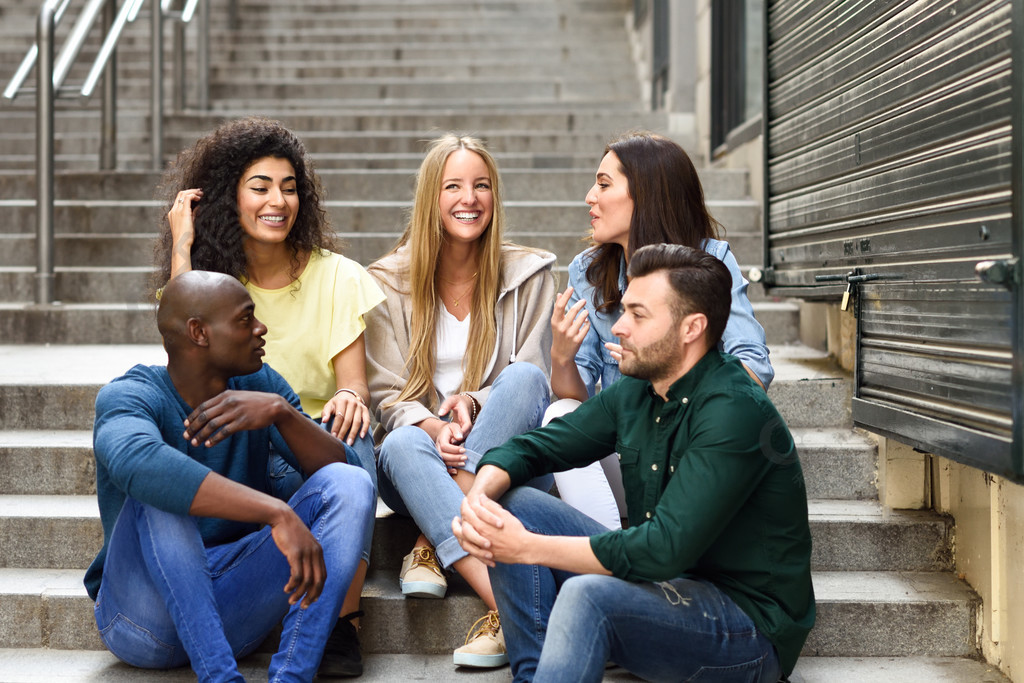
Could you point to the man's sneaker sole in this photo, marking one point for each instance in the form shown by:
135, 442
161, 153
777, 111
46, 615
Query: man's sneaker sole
423, 589
474, 661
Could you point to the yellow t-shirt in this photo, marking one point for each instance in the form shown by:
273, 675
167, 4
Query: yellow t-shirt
311, 321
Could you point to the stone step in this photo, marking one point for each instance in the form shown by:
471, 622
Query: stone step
444, 91
40, 381
102, 216
896, 614
44, 665
127, 250
580, 70
848, 535
373, 185
119, 322
810, 390
838, 464
328, 142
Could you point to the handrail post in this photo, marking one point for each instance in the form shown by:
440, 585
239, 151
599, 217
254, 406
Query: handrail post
178, 52
108, 123
156, 99
44, 155
203, 56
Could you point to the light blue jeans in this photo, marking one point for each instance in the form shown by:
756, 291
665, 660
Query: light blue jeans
285, 481
166, 600
413, 479
561, 627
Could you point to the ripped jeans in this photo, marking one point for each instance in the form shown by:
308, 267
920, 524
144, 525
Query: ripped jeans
562, 627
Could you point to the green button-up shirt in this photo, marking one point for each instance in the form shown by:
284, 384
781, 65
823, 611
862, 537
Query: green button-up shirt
713, 484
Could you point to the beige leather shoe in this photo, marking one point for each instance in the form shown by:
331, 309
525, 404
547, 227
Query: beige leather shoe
485, 644
421, 575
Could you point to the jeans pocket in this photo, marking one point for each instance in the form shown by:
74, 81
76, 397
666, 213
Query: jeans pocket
136, 645
747, 672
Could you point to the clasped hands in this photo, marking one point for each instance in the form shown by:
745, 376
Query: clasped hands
489, 532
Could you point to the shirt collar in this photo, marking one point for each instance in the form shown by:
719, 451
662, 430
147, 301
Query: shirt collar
684, 387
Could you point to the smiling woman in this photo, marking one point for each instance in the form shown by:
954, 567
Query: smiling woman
245, 201
458, 363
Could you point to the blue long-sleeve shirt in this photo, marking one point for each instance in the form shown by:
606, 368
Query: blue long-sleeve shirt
141, 452
743, 336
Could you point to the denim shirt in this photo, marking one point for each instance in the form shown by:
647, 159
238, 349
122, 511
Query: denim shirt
743, 336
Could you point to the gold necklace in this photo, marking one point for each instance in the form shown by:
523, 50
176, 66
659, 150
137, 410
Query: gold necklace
457, 299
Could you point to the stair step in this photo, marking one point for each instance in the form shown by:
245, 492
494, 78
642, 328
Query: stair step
39, 381
366, 184
43, 665
895, 614
838, 464
885, 614
848, 535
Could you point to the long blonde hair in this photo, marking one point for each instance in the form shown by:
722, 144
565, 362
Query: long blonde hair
425, 236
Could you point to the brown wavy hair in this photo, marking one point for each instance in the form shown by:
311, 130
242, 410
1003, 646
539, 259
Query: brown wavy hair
215, 164
668, 207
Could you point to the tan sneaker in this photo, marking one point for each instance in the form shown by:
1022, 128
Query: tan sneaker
485, 644
421, 575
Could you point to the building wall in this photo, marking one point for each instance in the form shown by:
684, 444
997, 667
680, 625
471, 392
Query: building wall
988, 511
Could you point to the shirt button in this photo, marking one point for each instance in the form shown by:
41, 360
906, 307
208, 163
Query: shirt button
684, 400
671, 468
657, 419
648, 515
654, 467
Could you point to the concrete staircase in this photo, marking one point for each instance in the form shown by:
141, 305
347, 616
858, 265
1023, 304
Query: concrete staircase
364, 83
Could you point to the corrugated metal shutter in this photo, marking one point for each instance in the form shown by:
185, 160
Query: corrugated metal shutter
891, 148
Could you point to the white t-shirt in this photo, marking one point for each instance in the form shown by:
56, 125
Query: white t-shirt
450, 349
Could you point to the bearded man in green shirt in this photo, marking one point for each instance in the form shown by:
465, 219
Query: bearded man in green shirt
712, 577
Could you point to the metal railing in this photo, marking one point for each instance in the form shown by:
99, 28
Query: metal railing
50, 76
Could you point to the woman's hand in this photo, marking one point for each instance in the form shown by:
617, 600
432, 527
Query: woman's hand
351, 417
181, 218
615, 350
568, 328
449, 444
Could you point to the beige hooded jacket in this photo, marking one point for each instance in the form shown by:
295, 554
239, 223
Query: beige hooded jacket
523, 317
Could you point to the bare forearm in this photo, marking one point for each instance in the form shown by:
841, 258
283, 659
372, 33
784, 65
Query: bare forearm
569, 553
313, 447
491, 481
223, 498
566, 381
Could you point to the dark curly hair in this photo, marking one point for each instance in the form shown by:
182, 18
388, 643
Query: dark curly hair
215, 164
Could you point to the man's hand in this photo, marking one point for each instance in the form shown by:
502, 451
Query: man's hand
490, 533
229, 412
305, 559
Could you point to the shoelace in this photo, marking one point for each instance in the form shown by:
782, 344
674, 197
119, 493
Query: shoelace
424, 557
489, 628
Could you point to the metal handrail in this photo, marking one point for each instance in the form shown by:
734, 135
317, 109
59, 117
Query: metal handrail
50, 78
30, 57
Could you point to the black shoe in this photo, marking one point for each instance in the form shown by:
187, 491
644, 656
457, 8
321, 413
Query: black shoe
342, 658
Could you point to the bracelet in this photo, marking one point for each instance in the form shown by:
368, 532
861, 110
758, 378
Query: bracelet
350, 391
476, 405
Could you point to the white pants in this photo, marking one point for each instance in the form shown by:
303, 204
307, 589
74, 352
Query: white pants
595, 490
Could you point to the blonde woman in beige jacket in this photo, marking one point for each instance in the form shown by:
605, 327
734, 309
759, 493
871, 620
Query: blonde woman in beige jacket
458, 361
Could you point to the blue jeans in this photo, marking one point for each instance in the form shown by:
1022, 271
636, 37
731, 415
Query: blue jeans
285, 481
166, 600
563, 627
414, 480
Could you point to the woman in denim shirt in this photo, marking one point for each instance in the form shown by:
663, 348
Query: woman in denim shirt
646, 192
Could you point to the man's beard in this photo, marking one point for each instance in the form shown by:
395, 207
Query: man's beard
654, 360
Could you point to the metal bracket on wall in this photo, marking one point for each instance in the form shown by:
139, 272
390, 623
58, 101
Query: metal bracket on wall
1005, 272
